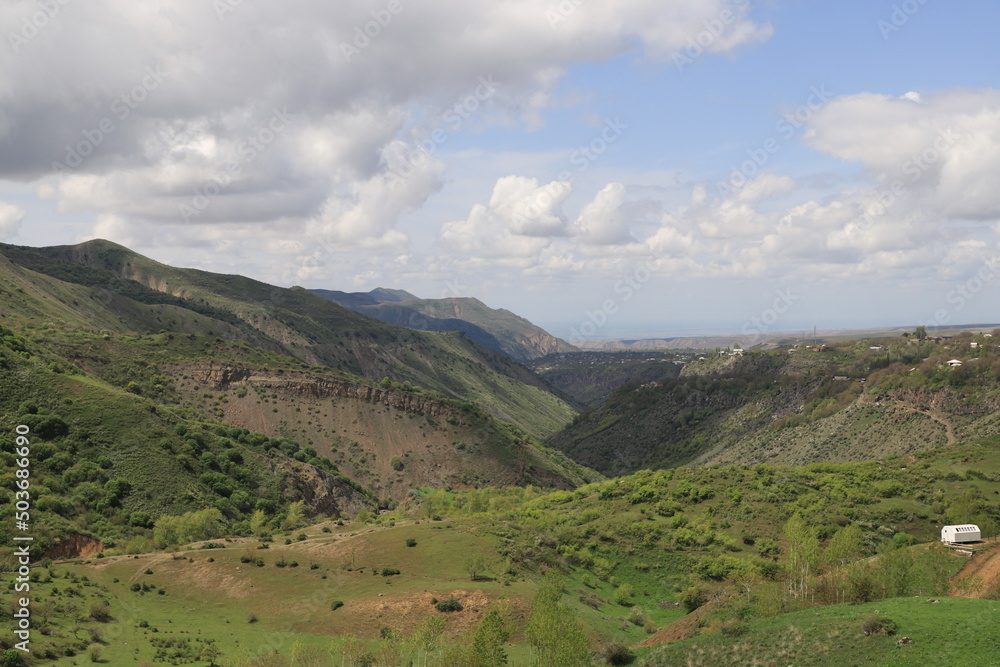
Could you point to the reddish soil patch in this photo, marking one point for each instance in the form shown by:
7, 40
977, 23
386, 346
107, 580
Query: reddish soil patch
77, 546
682, 628
979, 576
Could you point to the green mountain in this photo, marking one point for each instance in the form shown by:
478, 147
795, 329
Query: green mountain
102, 285
154, 391
499, 330
844, 402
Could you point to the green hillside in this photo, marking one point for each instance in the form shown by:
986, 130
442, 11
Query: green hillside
593, 377
948, 633
841, 402
104, 286
702, 565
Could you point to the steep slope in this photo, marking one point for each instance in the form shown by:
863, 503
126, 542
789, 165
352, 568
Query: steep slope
374, 304
592, 377
129, 292
108, 462
822, 404
518, 337
500, 330
386, 437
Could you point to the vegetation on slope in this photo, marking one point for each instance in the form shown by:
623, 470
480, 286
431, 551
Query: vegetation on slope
497, 329
126, 292
592, 377
837, 403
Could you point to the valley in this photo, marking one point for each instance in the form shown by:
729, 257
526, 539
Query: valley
229, 473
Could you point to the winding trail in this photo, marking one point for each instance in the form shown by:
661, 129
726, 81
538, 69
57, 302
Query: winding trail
949, 428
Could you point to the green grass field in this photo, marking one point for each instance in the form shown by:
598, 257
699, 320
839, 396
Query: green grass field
953, 632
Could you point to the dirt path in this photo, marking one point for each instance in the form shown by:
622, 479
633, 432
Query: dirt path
979, 576
949, 429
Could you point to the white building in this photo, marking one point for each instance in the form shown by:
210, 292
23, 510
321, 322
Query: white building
967, 532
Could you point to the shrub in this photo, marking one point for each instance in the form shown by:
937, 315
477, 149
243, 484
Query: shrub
451, 604
252, 618
878, 625
389, 571
692, 598
733, 628
636, 616
336, 604
623, 594
94, 652
617, 654
100, 612
410, 542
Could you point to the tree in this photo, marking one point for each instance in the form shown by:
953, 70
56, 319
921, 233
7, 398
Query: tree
258, 522
845, 546
209, 653
920, 332
475, 565
491, 635
295, 515
553, 632
803, 553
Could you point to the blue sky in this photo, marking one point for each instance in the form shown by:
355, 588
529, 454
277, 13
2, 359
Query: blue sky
506, 207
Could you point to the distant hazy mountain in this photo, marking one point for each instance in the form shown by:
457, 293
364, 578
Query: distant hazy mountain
497, 329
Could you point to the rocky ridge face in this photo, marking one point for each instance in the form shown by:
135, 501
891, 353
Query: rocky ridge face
226, 376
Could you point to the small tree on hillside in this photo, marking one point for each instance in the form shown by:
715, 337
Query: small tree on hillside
553, 631
475, 566
258, 522
491, 635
